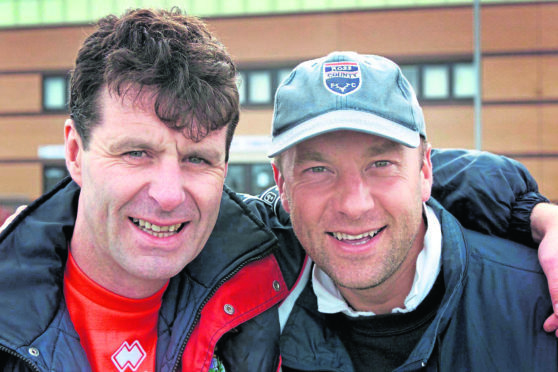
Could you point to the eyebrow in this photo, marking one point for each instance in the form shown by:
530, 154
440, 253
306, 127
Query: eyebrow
385, 147
210, 154
129, 143
308, 156
140, 144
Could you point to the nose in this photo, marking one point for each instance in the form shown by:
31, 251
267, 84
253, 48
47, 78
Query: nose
354, 198
167, 185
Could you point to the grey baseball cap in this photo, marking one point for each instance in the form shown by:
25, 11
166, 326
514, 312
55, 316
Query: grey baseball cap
346, 91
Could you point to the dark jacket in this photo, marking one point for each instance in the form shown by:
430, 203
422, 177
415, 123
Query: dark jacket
36, 332
490, 318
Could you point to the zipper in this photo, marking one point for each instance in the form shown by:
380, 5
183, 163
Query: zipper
208, 297
27, 361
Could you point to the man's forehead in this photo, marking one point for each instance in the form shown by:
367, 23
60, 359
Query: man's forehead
134, 110
128, 109
121, 113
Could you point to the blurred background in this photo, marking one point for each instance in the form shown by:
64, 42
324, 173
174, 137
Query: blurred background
485, 72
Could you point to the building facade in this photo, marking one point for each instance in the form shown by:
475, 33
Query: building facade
433, 44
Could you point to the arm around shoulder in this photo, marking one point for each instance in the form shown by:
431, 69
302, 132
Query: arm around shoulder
489, 193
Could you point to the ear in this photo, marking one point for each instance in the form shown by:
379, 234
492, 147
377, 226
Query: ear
73, 148
426, 174
280, 181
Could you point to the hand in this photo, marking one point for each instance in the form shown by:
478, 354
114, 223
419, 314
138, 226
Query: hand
544, 225
548, 258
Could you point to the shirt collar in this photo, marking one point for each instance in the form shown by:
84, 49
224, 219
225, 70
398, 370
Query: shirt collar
330, 300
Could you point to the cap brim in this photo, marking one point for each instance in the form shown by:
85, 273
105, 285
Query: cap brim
359, 121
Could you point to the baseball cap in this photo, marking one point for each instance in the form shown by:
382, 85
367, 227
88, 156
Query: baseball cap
346, 91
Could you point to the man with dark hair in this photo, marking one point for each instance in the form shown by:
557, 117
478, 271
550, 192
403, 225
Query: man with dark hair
143, 260
397, 283
86, 269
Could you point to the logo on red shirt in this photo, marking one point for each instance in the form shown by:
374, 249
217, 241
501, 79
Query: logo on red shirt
128, 356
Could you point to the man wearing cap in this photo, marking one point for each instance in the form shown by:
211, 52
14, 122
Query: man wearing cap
396, 281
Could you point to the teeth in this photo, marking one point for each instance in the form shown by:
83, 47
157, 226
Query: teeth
343, 236
156, 230
158, 235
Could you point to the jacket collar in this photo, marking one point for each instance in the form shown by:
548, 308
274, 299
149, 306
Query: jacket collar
455, 260
33, 251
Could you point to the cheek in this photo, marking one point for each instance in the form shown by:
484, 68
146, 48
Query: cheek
306, 208
113, 194
107, 179
206, 201
206, 192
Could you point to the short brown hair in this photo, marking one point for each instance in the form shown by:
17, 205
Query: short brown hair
165, 53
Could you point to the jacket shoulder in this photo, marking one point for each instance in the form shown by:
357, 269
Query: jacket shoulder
499, 251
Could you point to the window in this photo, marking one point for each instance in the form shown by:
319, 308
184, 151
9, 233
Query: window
52, 174
464, 80
236, 178
262, 177
435, 82
250, 178
257, 87
260, 87
55, 92
241, 84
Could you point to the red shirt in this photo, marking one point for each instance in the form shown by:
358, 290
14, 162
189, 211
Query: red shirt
117, 333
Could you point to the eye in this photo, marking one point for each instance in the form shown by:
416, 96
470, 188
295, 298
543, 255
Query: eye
197, 160
135, 154
318, 169
381, 163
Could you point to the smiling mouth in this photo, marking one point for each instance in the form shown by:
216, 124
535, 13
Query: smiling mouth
156, 230
356, 239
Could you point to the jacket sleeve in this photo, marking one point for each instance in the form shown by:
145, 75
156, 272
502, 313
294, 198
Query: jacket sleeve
486, 192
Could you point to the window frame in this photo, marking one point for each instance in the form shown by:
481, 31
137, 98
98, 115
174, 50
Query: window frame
274, 73
248, 174
53, 164
57, 74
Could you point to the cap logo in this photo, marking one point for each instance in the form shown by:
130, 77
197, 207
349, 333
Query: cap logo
342, 77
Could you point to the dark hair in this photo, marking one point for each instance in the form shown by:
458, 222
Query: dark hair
170, 56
